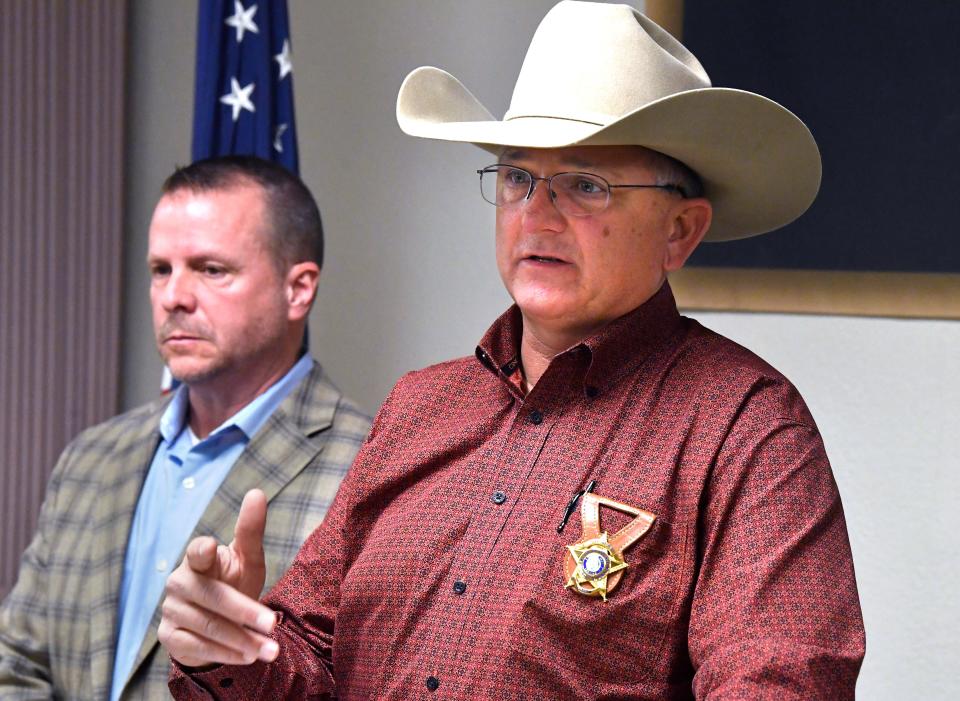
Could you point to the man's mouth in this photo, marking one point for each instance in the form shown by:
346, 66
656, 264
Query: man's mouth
544, 259
175, 337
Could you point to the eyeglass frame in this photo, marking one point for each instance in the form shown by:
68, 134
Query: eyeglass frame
552, 193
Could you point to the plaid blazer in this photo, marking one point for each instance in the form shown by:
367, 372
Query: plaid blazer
58, 625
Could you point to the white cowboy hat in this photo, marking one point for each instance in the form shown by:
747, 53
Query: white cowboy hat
599, 74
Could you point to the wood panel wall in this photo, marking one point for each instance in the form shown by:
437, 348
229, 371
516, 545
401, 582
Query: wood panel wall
62, 72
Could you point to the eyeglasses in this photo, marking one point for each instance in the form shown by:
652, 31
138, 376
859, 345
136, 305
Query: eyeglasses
574, 194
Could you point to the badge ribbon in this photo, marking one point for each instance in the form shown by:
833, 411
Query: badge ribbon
594, 564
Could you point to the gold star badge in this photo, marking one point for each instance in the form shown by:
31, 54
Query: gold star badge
593, 566
596, 560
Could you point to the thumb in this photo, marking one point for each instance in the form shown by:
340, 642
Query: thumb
201, 554
248, 535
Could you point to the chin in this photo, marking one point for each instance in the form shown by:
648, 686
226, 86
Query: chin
190, 373
546, 309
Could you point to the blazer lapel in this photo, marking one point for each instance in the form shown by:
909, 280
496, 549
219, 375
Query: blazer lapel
279, 451
124, 471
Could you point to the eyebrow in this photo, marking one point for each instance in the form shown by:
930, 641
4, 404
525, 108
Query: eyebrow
198, 258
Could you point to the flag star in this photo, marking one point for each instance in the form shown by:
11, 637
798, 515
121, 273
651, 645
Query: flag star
277, 143
283, 58
242, 20
238, 98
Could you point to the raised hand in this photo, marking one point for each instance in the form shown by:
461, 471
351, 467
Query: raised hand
211, 613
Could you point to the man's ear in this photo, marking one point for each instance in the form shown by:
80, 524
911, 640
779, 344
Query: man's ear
690, 220
300, 286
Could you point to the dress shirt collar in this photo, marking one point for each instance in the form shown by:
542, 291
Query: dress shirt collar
249, 419
615, 350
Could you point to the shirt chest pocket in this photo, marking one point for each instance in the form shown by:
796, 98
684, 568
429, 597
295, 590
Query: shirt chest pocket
622, 639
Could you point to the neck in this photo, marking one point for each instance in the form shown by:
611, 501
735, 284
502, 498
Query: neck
214, 401
539, 346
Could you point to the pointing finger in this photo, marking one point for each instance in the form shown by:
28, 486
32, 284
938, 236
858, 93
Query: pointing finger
248, 535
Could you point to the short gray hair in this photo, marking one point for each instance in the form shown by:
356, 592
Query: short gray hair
669, 171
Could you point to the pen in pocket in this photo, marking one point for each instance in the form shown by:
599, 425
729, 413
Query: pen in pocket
573, 504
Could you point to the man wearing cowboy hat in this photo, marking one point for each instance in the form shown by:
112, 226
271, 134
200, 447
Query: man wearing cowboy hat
608, 500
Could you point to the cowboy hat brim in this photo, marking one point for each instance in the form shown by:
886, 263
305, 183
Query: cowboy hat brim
759, 163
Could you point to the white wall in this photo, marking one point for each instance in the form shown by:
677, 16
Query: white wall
886, 396
410, 280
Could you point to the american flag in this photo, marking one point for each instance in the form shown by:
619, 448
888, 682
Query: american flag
244, 89
243, 102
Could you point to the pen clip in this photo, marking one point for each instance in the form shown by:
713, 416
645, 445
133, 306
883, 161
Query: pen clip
573, 504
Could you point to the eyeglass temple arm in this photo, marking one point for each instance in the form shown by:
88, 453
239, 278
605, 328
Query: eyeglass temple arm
673, 188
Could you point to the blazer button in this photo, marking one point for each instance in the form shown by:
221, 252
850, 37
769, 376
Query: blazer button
433, 683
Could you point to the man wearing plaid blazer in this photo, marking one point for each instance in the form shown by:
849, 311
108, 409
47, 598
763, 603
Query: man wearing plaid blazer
236, 246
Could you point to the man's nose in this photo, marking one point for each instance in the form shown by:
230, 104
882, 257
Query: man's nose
540, 209
178, 292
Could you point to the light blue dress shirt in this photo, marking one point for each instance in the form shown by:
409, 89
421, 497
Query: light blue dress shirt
182, 479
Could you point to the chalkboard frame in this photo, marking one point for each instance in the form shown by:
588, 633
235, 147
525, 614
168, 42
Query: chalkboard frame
887, 294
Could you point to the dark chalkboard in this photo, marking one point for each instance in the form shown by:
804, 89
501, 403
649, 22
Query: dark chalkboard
878, 85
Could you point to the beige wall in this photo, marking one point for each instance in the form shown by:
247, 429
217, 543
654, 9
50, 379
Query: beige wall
410, 280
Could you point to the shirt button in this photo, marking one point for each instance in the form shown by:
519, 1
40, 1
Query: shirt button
536, 417
226, 683
459, 587
161, 565
433, 683
498, 497
189, 483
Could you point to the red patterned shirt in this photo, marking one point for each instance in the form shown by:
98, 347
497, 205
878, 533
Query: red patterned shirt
438, 572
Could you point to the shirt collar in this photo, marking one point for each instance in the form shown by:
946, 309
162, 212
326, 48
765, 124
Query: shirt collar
250, 418
615, 350
174, 416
